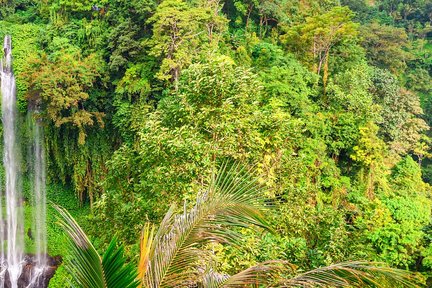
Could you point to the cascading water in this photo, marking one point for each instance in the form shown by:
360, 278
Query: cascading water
16, 269
14, 214
37, 158
40, 195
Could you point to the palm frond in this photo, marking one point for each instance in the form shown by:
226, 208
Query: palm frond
353, 274
146, 244
84, 263
233, 198
175, 256
117, 273
262, 274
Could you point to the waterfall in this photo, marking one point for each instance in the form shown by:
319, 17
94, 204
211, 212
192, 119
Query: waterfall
14, 213
16, 269
40, 195
37, 158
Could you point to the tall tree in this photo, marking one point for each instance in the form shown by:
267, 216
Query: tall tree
386, 46
180, 32
314, 39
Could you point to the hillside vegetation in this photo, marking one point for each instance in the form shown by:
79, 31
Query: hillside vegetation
330, 101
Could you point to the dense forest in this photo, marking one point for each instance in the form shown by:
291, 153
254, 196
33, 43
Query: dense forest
329, 100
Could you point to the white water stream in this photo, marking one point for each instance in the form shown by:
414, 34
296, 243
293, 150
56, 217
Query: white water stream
14, 213
37, 158
12, 261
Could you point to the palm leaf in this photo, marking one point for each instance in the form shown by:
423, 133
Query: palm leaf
232, 199
117, 273
349, 274
85, 265
146, 244
262, 274
353, 274
176, 256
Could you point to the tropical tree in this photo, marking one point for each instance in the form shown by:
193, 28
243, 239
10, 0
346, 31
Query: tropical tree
386, 46
180, 33
401, 125
176, 255
318, 35
59, 84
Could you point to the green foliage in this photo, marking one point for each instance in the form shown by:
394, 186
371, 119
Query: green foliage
123, 44
399, 237
285, 80
370, 148
69, 108
314, 39
24, 45
400, 124
180, 32
407, 12
86, 267
62, 94
386, 46
231, 199
56, 239
61, 278
177, 253
81, 166
330, 100
178, 141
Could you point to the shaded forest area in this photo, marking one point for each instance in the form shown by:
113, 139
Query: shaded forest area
330, 100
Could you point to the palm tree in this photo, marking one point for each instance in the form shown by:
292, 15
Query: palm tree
174, 255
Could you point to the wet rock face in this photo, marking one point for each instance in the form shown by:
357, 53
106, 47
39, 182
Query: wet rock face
27, 278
